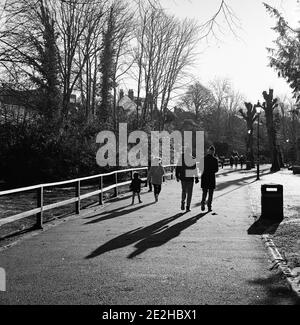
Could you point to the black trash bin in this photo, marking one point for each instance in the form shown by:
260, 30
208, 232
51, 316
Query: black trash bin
272, 202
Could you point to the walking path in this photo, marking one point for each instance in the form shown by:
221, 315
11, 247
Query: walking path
149, 254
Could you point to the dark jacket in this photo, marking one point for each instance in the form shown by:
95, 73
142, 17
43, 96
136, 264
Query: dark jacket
182, 171
135, 185
211, 167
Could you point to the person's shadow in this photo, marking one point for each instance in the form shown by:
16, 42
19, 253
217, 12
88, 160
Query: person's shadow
133, 236
160, 238
117, 213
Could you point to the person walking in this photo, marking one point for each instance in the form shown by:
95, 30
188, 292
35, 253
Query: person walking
222, 161
155, 176
135, 187
236, 160
231, 161
242, 161
186, 172
208, 178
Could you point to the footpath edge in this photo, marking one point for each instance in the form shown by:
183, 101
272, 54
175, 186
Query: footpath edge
292, 277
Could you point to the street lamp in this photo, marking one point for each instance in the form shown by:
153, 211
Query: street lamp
258, 111
286, 152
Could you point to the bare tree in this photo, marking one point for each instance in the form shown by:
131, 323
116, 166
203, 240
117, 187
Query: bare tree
165, 49
87, 61
76, 20
29, 53
220, 89
197, 99
52, 42
250, 117
212, 27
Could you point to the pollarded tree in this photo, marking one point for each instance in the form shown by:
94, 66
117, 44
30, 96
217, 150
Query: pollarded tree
250, 117
269, 106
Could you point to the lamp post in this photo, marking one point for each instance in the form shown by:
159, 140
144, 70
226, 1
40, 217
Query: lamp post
258, 111
286, 153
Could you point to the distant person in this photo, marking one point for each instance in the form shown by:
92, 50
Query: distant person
186, 172
155, 176
236, 161
222, 161
231, 161
242, 161
208, 178
135, 187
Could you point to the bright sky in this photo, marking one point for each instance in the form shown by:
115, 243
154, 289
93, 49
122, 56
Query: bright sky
242, 59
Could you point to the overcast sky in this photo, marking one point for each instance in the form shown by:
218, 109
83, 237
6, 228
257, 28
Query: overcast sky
243, 59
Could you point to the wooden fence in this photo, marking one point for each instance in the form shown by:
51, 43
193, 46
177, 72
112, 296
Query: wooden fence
41, 208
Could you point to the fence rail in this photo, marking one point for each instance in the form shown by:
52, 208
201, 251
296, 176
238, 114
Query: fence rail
41, 208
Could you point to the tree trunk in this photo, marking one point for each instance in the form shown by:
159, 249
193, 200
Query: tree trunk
269, 105
272, 142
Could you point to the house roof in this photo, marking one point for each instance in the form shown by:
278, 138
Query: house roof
127, 103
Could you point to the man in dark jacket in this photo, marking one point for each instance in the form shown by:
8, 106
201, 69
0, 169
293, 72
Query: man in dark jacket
186, 172
208, 178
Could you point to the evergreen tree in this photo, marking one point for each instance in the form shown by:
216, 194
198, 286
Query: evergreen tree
107, 68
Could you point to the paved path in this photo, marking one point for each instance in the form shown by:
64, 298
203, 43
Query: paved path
149, 254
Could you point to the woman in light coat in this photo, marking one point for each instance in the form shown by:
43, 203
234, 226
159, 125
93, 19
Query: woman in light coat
155, 176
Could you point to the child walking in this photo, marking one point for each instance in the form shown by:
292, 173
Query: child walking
135, 187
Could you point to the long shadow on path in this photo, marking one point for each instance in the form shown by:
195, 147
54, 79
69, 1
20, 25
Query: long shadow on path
228, 172
160, 238
106, 211
239, 181
133, 236
116, 213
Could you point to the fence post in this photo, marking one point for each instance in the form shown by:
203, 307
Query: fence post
77, 195
101, 188
40, 203
116, 182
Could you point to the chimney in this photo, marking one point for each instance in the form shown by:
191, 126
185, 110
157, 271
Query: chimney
131, 94
121, 94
